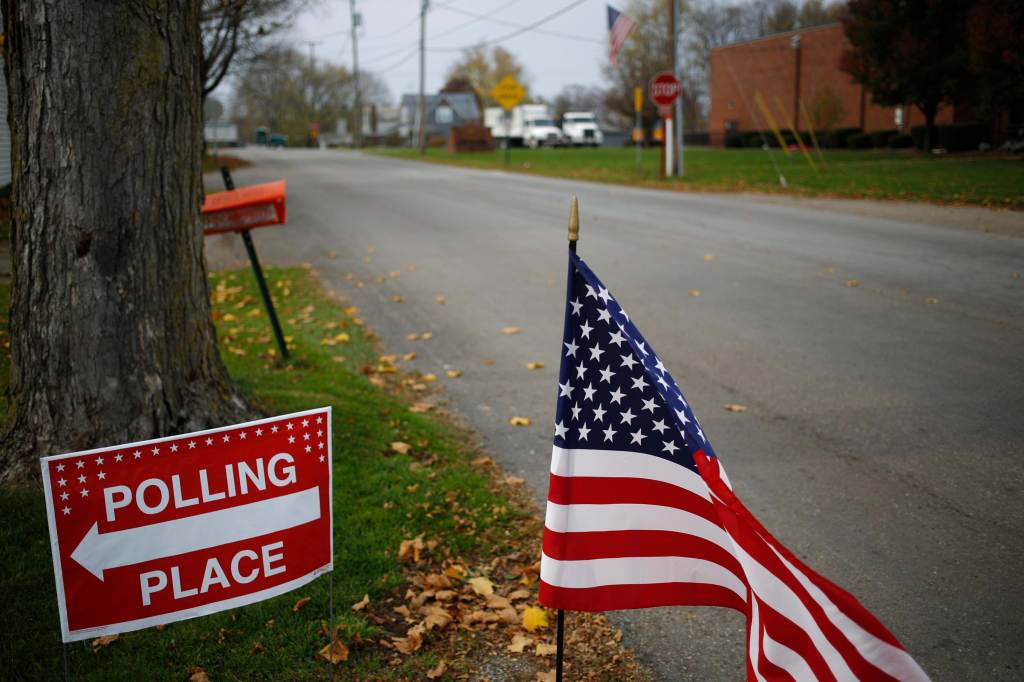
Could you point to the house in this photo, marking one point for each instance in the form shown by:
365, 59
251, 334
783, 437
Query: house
797, 76
443, 112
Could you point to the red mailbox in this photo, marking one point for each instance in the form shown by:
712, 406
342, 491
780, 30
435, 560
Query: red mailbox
240, 210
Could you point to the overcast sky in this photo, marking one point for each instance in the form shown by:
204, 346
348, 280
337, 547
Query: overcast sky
390, 35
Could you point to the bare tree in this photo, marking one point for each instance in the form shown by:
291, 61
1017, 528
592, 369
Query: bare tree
111, 336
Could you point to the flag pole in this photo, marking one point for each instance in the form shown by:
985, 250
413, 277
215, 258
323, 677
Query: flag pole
574, 236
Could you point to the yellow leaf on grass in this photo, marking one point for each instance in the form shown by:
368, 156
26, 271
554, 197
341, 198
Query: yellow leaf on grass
411, 549
455, 572
104, 641
543, 649
519, 421
733, 407
299, 604
534, 618
510, 330
361, 604
535, 365
482, 586
334, 653
401, 448
437, 671
197, 674
411, 642
482, 461
519, 642
453, 373
429, 377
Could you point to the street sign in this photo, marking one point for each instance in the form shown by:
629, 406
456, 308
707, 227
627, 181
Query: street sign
638, 98
664, 89
244, 208
508, 93
173, 528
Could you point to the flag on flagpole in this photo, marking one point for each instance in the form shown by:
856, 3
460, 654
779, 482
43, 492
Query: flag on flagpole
640, 513
619, 28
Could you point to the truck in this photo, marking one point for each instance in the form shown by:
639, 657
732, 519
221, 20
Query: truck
580, 128
526, 124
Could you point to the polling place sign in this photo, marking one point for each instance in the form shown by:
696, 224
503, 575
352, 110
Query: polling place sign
173, 528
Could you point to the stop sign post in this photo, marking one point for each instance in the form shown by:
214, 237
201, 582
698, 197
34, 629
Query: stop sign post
664, 89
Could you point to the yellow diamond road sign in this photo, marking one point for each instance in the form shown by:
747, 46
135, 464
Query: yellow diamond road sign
508, 92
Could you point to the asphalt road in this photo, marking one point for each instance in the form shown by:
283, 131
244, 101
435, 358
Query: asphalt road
883, 436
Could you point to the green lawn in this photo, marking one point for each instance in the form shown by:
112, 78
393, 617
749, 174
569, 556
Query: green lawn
988, 180
380, 497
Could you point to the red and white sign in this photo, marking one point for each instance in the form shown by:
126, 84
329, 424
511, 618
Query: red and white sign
664, 89
173, 528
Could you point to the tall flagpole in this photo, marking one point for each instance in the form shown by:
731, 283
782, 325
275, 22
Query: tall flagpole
574, 236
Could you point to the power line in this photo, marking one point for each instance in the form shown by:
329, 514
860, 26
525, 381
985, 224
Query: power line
513, 34
512, 24
476, 18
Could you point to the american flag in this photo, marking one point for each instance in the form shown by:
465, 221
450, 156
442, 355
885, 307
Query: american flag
640, 513
619, 28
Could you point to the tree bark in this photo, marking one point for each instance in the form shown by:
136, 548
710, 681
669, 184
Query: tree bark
111, 336
930, 110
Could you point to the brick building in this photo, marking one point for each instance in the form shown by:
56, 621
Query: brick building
797, 71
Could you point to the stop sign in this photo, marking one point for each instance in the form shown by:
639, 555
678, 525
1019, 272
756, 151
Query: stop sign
664, 88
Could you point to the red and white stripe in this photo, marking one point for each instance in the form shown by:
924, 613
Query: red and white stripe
629, 530
617, 35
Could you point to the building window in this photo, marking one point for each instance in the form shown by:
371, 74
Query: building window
443, 114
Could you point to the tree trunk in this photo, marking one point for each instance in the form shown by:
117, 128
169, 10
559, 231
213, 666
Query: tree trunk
929, 109
111, 337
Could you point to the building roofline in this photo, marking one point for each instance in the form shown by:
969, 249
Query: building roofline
773, 36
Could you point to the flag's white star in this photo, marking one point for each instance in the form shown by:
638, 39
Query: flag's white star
606, 374
576, 306
565, 389
291, 439
701, 434
191, 445
604, 316
639, 383
588, 392
80, 464
309, 448
99, 461
609, 433
137, 454
659, 366
209, 441
580, 371
596, 352
617, 395
62, 482
85, 492
64, 496
560, 430
584, 432
273, 429
305, 436
321, 459
599, 413
259, 432
628, 361
320, 445
670, 447
570, 348
660, 426
226, 438
66, 510
319, 432
319, 420
637, 437
590, 292
289, 426
682, 417
642, 347
617, 338
60, 467
627, 417
81, 479
585, 329
576, 411
118, 457
649, 405
241, 435
664, 384
156, 451
305, 423
605, 296
174, 447
101, 475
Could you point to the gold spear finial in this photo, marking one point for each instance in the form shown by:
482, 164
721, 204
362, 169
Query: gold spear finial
574, 220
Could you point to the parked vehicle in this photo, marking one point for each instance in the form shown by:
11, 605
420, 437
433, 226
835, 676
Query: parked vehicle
580, 128
541, 132
504, 127
527, 124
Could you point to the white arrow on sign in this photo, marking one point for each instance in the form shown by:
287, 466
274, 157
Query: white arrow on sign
97, 552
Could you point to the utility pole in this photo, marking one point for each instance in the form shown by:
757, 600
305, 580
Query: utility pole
677, 71
357, 121
421, 106
312, 82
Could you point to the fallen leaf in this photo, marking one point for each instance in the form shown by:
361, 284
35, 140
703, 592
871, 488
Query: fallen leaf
198, 675
487, 362
708, 257
257, 649
695, 292
534, 618
519, 421
409, 356
411, 549
510, 330
519, 642
455, 572
403, 611
395, 273
421, 407
429, 378
482, 586
535, 365
513, 480
544, 649
334, 653
427, 335
413, 337
482, 461
412, 488
441, 300
733, 407
360, 605
401, 448
497, 602
519, 594
549, 676
453, 373
397, 299
435, 617
851, 283
299, 604
931, 301
104, 641
436, 672
411, 642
